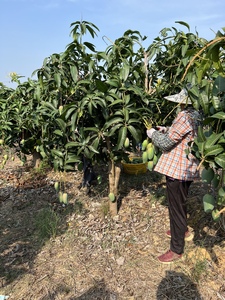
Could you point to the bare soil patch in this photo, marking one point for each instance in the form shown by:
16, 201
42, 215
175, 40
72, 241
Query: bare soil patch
89, 255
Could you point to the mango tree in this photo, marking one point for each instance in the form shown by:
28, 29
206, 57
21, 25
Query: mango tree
207, 68
185, 59
20, 121
92, 103
97, 99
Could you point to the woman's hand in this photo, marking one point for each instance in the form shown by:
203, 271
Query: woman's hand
162, 129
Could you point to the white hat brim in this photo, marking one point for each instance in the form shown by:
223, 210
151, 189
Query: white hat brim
181, 98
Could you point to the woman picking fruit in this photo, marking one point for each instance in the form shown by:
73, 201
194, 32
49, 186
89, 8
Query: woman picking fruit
179, 168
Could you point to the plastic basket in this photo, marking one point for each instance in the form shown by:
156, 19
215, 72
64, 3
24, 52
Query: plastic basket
138, 168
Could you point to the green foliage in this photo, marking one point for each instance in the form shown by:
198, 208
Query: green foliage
208, 202
89, 102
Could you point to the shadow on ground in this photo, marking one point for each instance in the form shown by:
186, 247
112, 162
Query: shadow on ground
176, 285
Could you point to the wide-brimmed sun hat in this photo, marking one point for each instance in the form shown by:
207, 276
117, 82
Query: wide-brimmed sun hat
181, 98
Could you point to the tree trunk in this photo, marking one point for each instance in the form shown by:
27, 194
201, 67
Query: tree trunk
114, 177
36, 160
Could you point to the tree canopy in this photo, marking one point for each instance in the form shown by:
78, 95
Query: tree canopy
86, 102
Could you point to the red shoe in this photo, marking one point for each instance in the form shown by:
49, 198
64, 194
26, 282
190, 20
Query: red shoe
188, 235
169, 257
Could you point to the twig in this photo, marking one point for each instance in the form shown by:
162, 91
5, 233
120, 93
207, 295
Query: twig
43, 277
199, 53
220, 212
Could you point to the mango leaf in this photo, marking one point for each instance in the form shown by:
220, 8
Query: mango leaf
134, 133
221, 140
184, 49
114, 83
207, 175
200, 145
56, 152
68, 167
113, 129
93, 129
220, 160
212, 139
37, 93
90, 106
216, 102
58, 132
69, 111
74, 122
115, 102
208, 203
101, 86
121, 137
72, 160
151, 52
57, 78
92, 149
113, 121
201, 137
72, 145
216, 180
213, 151
95, 143
87, 153
126, 114
50, 106
61, 124
184, 24
74, 72
124, 72
90, 46
221, 201
64, 83
220, 115
221, 192
204, 101
218, 86
214, 54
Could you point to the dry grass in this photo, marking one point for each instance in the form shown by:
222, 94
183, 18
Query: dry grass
92, 256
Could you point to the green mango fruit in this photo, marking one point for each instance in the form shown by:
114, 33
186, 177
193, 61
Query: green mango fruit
56, 186
111, 197
65, 198
150, 145
144, 144
150, 153
144, 156
150, 165
155, 159
60, 197
127, 142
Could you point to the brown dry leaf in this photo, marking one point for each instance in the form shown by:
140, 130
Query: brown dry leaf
120, 261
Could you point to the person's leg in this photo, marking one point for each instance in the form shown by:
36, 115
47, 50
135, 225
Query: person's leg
177, 192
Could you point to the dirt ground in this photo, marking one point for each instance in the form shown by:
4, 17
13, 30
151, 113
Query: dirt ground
78, 252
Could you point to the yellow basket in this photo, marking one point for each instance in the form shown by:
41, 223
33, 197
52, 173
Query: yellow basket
138, 168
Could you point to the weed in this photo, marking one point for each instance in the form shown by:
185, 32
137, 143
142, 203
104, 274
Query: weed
47, 223
104, 209
199, 269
